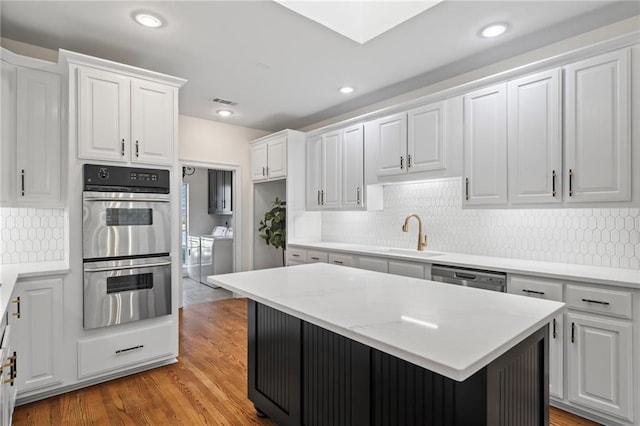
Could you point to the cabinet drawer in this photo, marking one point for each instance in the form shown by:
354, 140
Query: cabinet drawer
110, 353
598, 300
317, 256
341, 259
296, 256
535, 287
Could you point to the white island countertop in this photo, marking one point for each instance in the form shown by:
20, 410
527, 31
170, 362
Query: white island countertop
451, 330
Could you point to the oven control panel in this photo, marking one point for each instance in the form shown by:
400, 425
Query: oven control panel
103, 178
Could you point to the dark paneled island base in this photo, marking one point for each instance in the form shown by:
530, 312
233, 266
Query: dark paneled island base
301, 374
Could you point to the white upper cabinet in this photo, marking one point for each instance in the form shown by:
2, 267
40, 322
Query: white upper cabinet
597, 128
534, 135
331, 192
152, 121
30, 152
352, 167
485, 146
426, 138
391, 134
412, 141
277, 158
269, 159
335, 169
103, 115
122, 113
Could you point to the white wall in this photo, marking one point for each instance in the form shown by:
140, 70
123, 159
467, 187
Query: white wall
207, 141
265, 256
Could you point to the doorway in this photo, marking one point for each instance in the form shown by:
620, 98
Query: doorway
210, 210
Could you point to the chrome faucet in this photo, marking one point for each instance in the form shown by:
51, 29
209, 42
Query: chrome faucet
422, 241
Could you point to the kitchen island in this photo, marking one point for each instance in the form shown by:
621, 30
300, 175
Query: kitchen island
337, 345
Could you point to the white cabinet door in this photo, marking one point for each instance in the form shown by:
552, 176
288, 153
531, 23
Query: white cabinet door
259, 162
277, 158
598, 138
406, 269
38, 333
341, 259
352, 167
485, 146
534, 135
103, 115
38, 135
152, 121
426, 138
8, 92
314, 173
600, 364
391, 136
8, 374
331, 192
556, 357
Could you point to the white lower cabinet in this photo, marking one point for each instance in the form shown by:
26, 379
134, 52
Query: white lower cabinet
38, 333
314, 256
406, 269
541, 288
373, 264
600, 364
108, 354
296, 256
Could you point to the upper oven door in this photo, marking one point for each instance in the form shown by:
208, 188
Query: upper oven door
125, 224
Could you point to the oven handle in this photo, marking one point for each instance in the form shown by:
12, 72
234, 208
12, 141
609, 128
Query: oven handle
119, 268
139, 200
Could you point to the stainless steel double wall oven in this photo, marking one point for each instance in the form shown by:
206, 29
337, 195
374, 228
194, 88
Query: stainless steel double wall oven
126, 237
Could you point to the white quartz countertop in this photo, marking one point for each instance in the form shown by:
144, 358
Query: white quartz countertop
9, 275
451, 330
561, 271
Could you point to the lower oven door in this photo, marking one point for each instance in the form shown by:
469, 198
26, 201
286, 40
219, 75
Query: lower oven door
120, 291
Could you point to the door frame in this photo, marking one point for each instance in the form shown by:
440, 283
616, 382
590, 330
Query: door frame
236, 195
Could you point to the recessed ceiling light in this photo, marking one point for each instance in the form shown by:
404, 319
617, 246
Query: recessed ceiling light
224, 113
494, 30
148, 20
346, 89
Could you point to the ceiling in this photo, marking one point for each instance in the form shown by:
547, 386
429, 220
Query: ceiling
284, 70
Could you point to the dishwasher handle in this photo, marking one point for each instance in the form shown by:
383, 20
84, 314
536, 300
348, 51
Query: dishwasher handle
464, 276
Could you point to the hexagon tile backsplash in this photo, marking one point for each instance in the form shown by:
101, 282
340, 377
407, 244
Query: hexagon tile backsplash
31, 235
584, 236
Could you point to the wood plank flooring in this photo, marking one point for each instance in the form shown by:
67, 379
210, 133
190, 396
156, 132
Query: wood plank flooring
208, 386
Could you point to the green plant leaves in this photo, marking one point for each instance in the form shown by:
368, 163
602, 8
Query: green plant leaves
273, 227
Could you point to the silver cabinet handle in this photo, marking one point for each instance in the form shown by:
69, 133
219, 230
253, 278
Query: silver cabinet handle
570, 182
122, 147
408, 161
358, 195
599, 302
532, 291
119, 268
466, 189
401, 162
119, 351
130, 200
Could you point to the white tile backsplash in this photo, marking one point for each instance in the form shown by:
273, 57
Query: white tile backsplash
585, 236
31, 235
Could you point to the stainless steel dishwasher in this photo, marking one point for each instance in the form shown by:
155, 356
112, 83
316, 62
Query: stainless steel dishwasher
488, 280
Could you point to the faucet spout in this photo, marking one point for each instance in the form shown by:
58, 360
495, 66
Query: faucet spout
422, 240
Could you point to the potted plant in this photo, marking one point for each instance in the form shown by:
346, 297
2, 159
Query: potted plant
273, 228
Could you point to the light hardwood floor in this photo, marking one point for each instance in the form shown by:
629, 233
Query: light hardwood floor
207, 386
